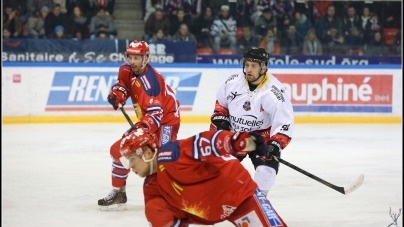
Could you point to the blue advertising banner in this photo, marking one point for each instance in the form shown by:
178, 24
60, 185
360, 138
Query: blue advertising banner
305, 60
86, 51
84, 91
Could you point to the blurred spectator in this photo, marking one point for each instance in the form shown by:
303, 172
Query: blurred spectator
59, 32
396, 48
88, 7
260, 6
77, 36
202, 25
172, 6
334, 42
341, 7
306, 8
247, 41
373, 26
151, 6
179, 19
320, 9
159, 36
33, 5
280, 8
102, 23
62, 4
156, 21
216, 5
36, 24
224, 29
376, 46
302, 25
245, 9
365, 17
21, 8
6, 33
291, 44
326, 22
12, 22
264, 22
183, 34
79, 23
312, 45
108, 5
54, 19
350, 21
271, 43
390, 13
354, 40
283, 25
102, 35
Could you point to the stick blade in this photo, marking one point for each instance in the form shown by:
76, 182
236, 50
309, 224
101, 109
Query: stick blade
355, 185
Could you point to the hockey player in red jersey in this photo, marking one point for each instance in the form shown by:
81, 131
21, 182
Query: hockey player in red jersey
156, 109
197, 181
255, 100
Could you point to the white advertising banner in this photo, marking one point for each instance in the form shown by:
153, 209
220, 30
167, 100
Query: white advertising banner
70, 90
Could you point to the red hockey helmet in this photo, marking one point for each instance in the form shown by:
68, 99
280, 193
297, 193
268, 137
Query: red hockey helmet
136, 140
138, 47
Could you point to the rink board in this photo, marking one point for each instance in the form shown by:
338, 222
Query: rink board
67, 93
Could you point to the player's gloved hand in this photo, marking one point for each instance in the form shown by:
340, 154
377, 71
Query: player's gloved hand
273, 148
118, 95
220, 122
260, 146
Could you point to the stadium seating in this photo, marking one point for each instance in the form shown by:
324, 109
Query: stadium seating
225, 51
389, 35
204, 51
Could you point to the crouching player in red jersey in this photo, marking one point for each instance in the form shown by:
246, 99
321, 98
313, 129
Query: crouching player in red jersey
197, 180
156, 108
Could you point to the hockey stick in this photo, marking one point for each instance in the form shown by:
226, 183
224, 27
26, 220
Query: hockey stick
344, 190
126, 115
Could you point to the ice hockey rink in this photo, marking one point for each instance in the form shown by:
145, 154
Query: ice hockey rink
53, 175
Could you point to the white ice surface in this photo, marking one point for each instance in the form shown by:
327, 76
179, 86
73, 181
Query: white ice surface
53, 175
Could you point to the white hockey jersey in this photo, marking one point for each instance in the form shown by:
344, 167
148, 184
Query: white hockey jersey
267, 109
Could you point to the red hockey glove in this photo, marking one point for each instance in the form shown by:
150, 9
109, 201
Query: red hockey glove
118, 95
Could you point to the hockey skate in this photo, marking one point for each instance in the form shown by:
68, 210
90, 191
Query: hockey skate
115, 200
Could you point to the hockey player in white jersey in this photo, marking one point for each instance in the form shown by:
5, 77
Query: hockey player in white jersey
255, 100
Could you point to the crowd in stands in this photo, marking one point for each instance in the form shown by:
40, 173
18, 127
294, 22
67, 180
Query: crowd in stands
300, 27
59, 19
280, 26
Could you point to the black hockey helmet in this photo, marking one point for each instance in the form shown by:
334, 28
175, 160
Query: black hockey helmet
259, 55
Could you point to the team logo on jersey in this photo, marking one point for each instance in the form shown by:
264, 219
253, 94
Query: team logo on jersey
227, 211
261, 109
247, 106
232, 96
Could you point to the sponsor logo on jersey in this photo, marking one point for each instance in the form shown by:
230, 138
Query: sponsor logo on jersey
339, 92
261, 109
247, 106
278, 93
166, 134
165, 153
246, 122
227, 211
231, 78
88, 91
251, 219
232, 96
285, 127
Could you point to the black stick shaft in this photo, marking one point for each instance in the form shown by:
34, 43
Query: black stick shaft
126, 115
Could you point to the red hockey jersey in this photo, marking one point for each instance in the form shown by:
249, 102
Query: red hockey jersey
197, 175
154, 101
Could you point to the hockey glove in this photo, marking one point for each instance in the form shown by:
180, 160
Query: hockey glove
119, 94
273, 149
220, 122
260, 147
